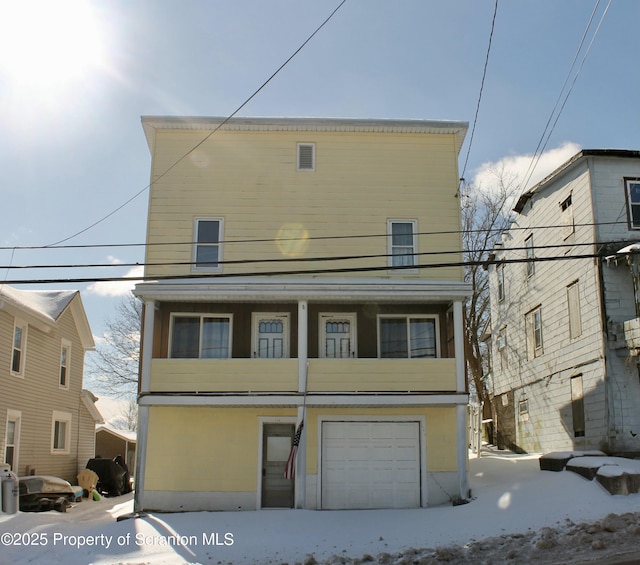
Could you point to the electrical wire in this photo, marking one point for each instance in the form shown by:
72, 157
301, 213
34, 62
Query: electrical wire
484, 74
225, 121
561, 246
312, 272
544, 138
298, 239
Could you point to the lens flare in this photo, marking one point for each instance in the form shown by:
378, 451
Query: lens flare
292, 240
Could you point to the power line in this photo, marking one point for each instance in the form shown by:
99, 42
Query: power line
566, 246
484, 74
310, 272
544, 138
294, 239
220, 125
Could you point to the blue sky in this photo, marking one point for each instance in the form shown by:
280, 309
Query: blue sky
72, 148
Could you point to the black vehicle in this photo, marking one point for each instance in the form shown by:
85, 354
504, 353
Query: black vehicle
113, 477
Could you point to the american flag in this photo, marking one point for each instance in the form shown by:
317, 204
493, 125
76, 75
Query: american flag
290, 468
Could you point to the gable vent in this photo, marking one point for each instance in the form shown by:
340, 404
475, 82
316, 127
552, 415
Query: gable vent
306, 156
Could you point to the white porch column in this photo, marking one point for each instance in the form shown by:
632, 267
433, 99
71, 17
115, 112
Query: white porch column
147, 345
143, 411
458, 343
462, 451
303, 337
301, 458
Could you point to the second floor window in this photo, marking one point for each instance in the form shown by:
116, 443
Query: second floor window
530, 255
407, 337
501, 289
17, 354
573, 306
65, 358
402, 243
201, 337
208, 244
533, 329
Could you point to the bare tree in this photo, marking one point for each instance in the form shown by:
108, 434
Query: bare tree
128, 417
486, 213
114, 364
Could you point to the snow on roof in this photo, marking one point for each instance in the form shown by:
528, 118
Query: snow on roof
50, 303
126, 435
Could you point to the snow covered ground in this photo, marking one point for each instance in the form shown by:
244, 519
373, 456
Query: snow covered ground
518, 514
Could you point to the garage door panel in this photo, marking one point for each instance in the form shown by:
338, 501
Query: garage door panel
370, 465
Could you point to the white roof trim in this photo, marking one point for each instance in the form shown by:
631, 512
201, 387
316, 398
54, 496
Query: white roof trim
413, 126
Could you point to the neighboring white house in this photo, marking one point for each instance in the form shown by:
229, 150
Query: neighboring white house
564, 376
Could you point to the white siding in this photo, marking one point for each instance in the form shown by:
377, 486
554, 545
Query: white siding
544, 381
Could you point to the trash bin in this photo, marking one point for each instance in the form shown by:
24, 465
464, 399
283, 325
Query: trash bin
10, 491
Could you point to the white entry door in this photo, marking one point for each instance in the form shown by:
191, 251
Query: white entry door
270, 336
370, 465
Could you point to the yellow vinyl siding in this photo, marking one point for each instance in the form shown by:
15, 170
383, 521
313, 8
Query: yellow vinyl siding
281, 375
224, 375
218, 446
235, 174
440, 423
365, 375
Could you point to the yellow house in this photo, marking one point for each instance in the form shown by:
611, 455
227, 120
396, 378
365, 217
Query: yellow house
47, 420
302, 270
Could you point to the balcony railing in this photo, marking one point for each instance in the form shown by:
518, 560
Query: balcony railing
324, 375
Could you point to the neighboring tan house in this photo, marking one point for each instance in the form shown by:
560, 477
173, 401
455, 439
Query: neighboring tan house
111, 442
47, 420
564, 377
302, 270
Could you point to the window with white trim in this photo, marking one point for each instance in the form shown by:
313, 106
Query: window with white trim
530, 255
306, 157
408, 337
60, 432
195, 336
523, 410
18, 348
566, 211
207, 252
12, 438
533, 329
337, 336
501, 288
573, 306
632, 191
270, 335
65, 364
403, 243
501, 345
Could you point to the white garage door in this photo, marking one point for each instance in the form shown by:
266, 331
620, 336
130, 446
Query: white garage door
370, 465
